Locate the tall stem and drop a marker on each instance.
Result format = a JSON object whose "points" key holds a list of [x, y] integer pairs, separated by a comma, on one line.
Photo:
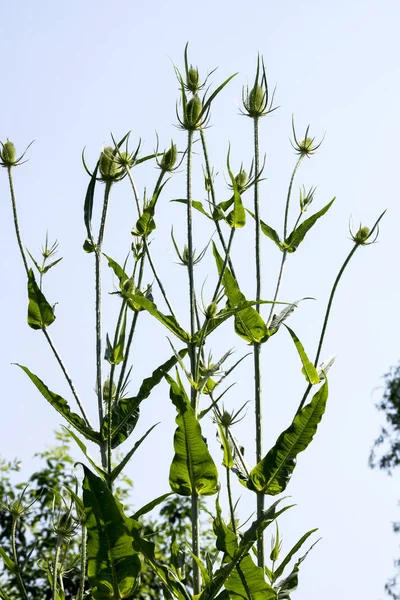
{"points": [[15, 557], [83, 564], [44, 330], [285, 229], [99, 384], [213, 197], [326, 319], [55, 569], [257, 347], [192, 353]]}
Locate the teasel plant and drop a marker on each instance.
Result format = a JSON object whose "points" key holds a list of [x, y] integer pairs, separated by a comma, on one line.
{"points": [[113, 543]]}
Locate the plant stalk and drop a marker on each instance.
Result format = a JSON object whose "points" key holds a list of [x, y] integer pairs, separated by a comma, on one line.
{"points": [[99, 383], [83, 565], [15, 556], [55, 569]]}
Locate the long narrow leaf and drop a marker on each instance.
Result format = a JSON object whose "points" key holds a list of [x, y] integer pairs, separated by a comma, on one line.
{"points": [[298, 234], [150, 505], [125, 412], [271, 475], [279, 570], [117, 470], [88, 205], [269, 232], [308, 368], [40, 313], [62, 407], [82, 446], [167, 320], [192, 467]]}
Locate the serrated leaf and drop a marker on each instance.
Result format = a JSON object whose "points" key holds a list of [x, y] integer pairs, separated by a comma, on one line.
{"points": [[113, 565], [40, 313], [62, 407], [125, 412], [272, 474], [298, 234], [309, 370], [192, 467]]}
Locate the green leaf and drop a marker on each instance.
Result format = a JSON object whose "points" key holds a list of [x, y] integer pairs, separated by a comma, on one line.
{"points": [[249, 325], [167, 320], [89, 246], [113, 565], [226, 541], [82, 446], [298, 234], [226, 448], [309, 370], [207, 104], [40, 313], [115, 355], [62, 407], [279, 571], [269, 232], [150, 505], [237, 217], [39, 268], [88, 207], [3, 595], [9, 563], [125, 412], [119, 271], [290, 583], [271, 475], [192, 467], [247, 581], [197, 205], [118, 469], [145, 224]]}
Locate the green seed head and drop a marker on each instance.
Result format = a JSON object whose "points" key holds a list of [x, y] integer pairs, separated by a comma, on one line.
{"points": [[192, 114], [362, 235], [17, 509], [128, 287], [257, 101], [241, 180], [108, 166], [169, 159], [193, 80], [9, 154], [185, 255], [106, 390], [211, 310]]}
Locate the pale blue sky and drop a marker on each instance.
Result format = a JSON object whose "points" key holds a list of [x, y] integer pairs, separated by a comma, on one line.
{"points": [[74, 71]]}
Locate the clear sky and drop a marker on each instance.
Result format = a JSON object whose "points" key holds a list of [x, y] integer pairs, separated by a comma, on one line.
{"points": [[74, 71]]}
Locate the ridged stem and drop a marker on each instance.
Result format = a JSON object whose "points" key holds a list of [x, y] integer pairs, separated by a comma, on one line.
{"points": [[15, 557]]}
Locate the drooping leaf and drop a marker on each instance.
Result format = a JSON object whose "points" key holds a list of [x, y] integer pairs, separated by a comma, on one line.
{"points": [[248, 323], [271, 475], [269, 232], [196, 205], [125, 412], [118, 469], [309, 370], [113, 565], [150, 505], [278, 572], [226, 541], [62, 407], [118, 270], [82, 446], [192, 467], [40, 313], [88, 207], [298, 234], [167, 320]]}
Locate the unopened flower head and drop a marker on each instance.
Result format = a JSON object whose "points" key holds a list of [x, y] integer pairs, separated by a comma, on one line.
{"points": [[256, 101], [8, 155], [241, 180], [168, 160], [307, 145], [365, 236], [192, 114], [109, 167]]}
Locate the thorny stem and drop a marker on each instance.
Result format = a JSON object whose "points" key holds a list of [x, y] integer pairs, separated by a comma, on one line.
{"points": [[47, 336], [55, 569], [326, 319], [66, 375], [192, 354], [99, 384], [110, 399], [257, 346], [83, 564], [285, 227], [16, 225], [213, 197], [145, 243], [15, 556]]}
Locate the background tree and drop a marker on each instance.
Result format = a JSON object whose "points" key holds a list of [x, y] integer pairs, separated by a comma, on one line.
{"points": [[385, 452]]}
